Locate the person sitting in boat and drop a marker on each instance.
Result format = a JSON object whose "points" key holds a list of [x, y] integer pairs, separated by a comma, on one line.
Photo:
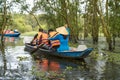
{"points": [[44, 42], [37, 37], [6, 31], [63, 38], [40, 38], [54, 43], [11, 32], [44, 39]]}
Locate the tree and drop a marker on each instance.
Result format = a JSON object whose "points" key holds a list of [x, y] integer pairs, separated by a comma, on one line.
{"points": [[25, 8], [62, 12], [105, 26], [114, 19], [92, 19], [3, 16]]}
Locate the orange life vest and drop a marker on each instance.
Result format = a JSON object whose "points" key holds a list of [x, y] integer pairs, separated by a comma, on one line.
{"points": [[52, 34], [37, 39], [45, 38], [11, 32], [6, 31], [54, 42], [39, 35]]}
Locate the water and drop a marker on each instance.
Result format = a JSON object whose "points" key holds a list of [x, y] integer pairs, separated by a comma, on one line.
{"points": [[17, 64]]}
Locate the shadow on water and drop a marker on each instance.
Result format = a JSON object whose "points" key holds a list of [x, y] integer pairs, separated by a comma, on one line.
{"points": [[17, 64]]}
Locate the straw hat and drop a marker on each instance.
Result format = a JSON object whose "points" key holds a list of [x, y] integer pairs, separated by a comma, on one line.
{"points": [[62, 30]]}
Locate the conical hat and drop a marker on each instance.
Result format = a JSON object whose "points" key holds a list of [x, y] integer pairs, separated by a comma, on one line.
{"points": [[62, 30]]}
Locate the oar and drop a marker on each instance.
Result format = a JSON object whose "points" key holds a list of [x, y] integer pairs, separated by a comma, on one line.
{"points": [[37, 48]]}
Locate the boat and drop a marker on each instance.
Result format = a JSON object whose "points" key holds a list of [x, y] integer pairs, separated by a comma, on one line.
{"points": [[12, 35], [65, 54]]}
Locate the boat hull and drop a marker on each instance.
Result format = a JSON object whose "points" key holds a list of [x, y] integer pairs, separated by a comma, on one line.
{"points": [[12, 35], [65, 54]]}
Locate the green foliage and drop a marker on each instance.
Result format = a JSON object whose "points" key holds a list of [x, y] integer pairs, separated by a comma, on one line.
{"points": [[44, 75], [114, 17], [114, 57], [94, 54], [69, 68], [31, 33], [19, 22]]}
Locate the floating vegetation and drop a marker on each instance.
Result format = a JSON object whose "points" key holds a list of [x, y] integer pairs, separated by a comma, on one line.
{"points": [[114, 57]]}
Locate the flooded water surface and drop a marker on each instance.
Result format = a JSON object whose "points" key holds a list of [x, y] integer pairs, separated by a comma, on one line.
{"points": [[17, 64]]}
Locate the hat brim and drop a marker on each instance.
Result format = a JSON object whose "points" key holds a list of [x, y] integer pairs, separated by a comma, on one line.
{"points": [[62, 30]]}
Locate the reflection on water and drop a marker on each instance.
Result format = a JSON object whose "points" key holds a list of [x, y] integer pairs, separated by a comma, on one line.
{"points": [[9, 39], [50, 64], [17, 64], [46, 65]]}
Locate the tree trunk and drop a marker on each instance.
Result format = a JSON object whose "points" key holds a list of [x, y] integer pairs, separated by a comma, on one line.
{"points": [[4, 21], [2, 46], [95, 27], [105, 29], [36, 20]]}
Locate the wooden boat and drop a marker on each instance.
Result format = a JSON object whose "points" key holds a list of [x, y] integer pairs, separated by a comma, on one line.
{"points": [[12, 35], [65, 54]]}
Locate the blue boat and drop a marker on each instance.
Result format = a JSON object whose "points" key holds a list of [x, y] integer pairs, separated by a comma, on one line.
{"points": [[65, 54], [12, 35]]}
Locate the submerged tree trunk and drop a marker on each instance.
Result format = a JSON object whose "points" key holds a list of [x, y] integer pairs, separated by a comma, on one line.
{"points": [[114, 41], [3, 24], [2, 46], [95, 27], [105, 29], [4, 20]]}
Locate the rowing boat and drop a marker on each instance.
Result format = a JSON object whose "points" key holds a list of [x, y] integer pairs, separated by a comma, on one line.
{"points": [[12, 35], [64, 54]]}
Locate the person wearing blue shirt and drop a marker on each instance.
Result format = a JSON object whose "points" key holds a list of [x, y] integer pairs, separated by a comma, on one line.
{"points": [[63, 38]]}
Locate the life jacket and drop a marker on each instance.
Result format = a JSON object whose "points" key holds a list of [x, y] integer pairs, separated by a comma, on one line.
{"points": [[11, 32], [39, 35], [44, 38], [54, 42], [7, 31], [52, 34], [38, 39]]}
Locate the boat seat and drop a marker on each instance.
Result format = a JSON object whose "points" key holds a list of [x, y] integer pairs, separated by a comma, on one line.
{"points": [[81, 48]]}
